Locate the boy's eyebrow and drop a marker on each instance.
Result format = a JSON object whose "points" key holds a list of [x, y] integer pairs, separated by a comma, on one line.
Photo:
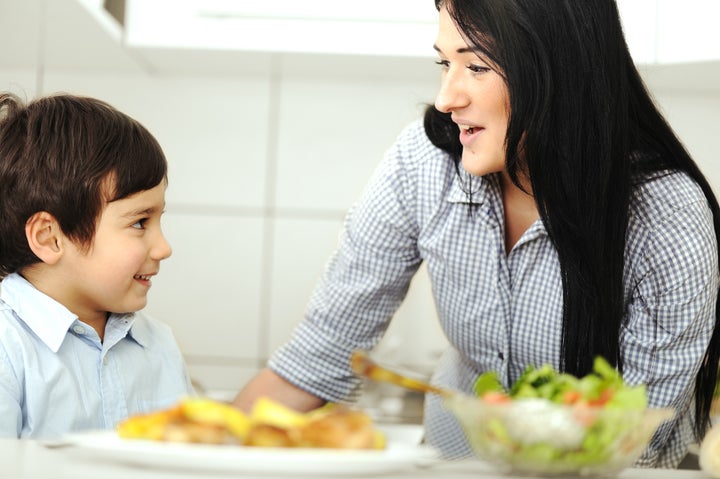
{"points": [[142, 211]]}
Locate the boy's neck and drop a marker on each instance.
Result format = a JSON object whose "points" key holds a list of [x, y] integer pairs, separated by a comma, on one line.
{"points": [[98, 325], [96, 319]]}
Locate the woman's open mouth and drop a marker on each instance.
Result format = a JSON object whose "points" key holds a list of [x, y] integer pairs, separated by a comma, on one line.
{"points": [[468, 133]]}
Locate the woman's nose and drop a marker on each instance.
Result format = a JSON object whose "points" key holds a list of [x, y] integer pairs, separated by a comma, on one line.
{"points": [[451, 94]]}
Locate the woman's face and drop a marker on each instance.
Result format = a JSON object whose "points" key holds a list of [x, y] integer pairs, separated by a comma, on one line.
{"points": [[477, 98]]}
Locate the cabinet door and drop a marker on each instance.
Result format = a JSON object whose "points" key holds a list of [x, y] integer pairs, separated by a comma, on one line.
{"points": [[371, 27], [688, 31], [639, 19]]}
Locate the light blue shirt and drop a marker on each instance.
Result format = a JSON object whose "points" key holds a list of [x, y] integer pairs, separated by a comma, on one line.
{"points": [[503, 312], [56, 376]]}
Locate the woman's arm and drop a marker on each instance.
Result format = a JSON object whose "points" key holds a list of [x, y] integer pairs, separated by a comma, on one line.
{"points": [[269, 384], [671, 313]]}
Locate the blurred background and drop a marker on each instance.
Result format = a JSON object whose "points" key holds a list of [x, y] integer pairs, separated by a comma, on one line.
{"points": [[273, 115]]}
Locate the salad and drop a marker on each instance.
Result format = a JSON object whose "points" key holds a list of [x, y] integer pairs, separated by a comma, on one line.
{"points": [[551, 422]]}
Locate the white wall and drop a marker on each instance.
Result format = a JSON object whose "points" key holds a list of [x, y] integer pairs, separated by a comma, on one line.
{"points": [[263, 165]]}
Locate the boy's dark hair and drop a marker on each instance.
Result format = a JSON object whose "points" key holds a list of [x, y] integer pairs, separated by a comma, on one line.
{"points": [[69, 156]]}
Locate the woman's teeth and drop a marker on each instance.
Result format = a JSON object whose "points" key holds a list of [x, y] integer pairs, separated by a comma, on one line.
{"points": [[467, 129], [142, 276]]}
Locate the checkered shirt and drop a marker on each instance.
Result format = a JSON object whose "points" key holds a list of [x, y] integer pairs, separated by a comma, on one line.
{"points": [[503, 312]]}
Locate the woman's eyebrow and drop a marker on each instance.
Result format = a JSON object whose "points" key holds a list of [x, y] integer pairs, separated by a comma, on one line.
{"points": [[459, 50]]}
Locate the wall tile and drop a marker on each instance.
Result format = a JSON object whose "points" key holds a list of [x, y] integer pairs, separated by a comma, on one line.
{"points": [[21, 27], [332, 134], [302, 248], [214, 132], [694, 117], [21, 82], [219, 381], [209, 290]]}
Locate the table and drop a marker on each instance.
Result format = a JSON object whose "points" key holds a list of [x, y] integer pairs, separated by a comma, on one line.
{"points": [[22, 459]]}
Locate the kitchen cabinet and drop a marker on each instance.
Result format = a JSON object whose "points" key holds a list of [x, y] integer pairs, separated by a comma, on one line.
{"points": [[638, 18], [688, 31], [657, 31], [661, 32], [371, 27]]}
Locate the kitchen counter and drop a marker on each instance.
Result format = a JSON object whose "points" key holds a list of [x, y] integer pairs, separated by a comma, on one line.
{"points": [[30, 459]]}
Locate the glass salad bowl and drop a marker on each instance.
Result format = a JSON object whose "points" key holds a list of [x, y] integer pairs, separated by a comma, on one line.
{"points": [[535, 436], [547, 423]]}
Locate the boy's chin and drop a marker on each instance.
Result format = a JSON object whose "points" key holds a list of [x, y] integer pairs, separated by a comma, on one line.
{"points": [[130, 308]]}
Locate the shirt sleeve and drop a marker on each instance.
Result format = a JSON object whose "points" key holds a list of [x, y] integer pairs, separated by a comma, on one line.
{"points": [[670, 320], [362, 287], [10, 398]]}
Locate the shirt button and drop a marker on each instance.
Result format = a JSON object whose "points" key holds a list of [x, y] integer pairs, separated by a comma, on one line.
{"points": [[78, 329]]}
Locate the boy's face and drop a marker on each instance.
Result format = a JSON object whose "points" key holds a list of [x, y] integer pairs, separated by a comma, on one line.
{"points": [[113, 275]]}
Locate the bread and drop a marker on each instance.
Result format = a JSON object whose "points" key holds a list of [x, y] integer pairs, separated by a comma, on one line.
{"points": [[270, 424]]}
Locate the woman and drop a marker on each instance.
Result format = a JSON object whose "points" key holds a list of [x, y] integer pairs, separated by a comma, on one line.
{"points": [[559, 216]]}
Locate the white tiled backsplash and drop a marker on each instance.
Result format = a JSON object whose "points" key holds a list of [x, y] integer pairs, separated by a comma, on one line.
{"points": [[262, 170]]}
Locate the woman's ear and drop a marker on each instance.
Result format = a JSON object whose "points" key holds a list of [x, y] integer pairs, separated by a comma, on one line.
{"points": [[44, 237]]}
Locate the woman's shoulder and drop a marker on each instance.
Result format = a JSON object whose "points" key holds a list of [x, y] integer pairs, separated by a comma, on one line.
{"points": [[414, 164], [413, 148], [671, 221], [671, 236], [665, 194]]}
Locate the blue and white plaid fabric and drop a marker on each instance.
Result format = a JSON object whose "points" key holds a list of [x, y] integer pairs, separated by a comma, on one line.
{"points": [[503, 312]]}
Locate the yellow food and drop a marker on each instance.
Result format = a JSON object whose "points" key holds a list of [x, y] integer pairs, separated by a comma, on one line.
{"points": [[269, 424], [269, 412]]}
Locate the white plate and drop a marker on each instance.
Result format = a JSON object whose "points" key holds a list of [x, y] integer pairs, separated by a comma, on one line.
{"points": [[106, 445]]}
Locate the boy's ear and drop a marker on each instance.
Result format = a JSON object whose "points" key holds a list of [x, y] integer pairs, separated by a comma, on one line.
{"points": [[44, 237]]}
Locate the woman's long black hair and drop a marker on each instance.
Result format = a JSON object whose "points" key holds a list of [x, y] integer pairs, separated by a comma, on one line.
{"points": [[590, 128]]}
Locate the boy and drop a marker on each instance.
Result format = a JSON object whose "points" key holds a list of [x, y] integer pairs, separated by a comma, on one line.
{"points": [[82, 190]]}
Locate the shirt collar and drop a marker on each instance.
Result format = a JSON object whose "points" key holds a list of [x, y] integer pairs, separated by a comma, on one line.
{"points": [[34, 308], [484, 189], [51, 321], [467, 188], [139, 330]]}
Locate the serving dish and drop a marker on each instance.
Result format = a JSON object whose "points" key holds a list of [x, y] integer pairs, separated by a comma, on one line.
{"points": [[399, 455], [541, 438]]}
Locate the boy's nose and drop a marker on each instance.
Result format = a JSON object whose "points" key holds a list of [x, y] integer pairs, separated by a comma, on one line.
{"points": [[161, 249]]}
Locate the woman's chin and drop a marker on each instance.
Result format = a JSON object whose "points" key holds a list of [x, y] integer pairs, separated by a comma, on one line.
{"points": [[480, 166]]}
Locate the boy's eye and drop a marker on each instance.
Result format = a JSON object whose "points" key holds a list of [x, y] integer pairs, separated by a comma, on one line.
{"points": [[140, 224]]}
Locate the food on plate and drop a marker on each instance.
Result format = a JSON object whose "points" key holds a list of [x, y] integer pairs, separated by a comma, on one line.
{"points": [[269, 424], [551, 422]]}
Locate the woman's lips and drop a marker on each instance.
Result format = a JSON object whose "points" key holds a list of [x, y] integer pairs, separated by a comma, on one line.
{"points": [[468, 135]]}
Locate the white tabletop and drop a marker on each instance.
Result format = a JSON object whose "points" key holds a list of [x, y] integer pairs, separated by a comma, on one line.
{"points": [[21, 459]]}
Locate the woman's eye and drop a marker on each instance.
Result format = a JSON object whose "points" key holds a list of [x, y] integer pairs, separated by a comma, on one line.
{"points": [[443, 63], [478, 68]]}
